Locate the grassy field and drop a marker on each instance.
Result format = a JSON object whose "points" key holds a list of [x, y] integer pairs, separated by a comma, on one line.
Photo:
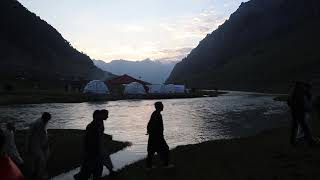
{"points": [[37, 97], [66, 148], [47, 97], [266, 156]]}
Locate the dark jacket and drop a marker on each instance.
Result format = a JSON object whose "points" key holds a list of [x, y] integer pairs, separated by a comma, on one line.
{"points": [[155, 125], [93, 139]]}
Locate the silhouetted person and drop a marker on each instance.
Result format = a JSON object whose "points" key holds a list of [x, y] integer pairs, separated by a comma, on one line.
{"points": [[38, 148], [106, 161], [10, 147], [92, 161], [8, 169], [300, 104], [156, 141]]}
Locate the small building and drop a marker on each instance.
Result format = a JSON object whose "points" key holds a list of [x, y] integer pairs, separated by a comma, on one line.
{"points": [[96, 87], [117, 84]]}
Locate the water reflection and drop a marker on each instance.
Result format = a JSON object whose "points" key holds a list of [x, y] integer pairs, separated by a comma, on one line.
{"points": [[186, 121]]}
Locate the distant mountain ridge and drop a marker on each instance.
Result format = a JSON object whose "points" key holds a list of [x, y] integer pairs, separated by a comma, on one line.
{"points": [[263, 46], [147, 70], [33, 49]]}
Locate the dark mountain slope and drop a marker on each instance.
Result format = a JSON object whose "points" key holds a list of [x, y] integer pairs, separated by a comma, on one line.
{"points": [[264, 45], [32, 49]]}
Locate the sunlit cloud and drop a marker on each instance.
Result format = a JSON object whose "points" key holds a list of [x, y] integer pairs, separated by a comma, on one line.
{"points": [[182, 34]]}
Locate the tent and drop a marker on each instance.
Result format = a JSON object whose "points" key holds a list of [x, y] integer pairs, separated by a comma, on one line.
{"points": [[96, 87], [156, 88], [169, 89], [180, 89], [134, 88]]}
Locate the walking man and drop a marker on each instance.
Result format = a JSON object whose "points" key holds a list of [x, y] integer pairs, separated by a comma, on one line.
{"points": [[92, 164], [156, 142]]}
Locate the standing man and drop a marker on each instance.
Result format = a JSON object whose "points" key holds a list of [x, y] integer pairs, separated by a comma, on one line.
{"points": [[156, 141], [106, 160], [38, 148], [299, 104]]}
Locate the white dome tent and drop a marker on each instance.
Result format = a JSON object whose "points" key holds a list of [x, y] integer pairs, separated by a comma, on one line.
{"points": [[179, 89], [169, 89], [134, 88], [96, 87], [156, 88]]}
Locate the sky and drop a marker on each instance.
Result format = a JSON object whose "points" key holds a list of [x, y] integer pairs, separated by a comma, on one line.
{"points": [[134, 29]]}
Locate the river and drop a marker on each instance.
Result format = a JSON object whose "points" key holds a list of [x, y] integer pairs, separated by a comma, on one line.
{"points": [[186, 121]]}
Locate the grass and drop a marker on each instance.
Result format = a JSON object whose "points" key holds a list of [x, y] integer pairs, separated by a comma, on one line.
{"points": [[282, 98], [37, 97]]}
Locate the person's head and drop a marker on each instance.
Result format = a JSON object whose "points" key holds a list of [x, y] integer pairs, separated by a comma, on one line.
{"points": [[159, 106], [2, 142], [104, 114], [96, 114], [11, 126], [46, 117]]}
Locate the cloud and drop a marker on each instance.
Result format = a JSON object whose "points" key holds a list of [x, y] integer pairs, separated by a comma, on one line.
{"points": [[174, 54], [132, 28], [166, 39], [195, 26]]}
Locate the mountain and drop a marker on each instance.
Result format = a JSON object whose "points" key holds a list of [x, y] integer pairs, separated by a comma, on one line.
{"points": [[151, 71], [33, 49], [263, 46]]}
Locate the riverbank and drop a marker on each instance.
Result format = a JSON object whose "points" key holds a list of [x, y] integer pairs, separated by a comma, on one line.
{"points": [[66, 148], [64, 97], [266, 156]]}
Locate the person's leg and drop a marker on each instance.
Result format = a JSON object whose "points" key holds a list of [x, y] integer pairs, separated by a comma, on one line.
{"points": [[97, 170], [294, 128], [108, 163], [85, 171], [36, 171], [164, 153], [29, 166], [43, 168], [305, 128], [149, 158]]}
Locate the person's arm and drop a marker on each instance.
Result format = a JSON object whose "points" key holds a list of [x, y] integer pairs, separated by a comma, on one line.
{"points": [[13, 149]]}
